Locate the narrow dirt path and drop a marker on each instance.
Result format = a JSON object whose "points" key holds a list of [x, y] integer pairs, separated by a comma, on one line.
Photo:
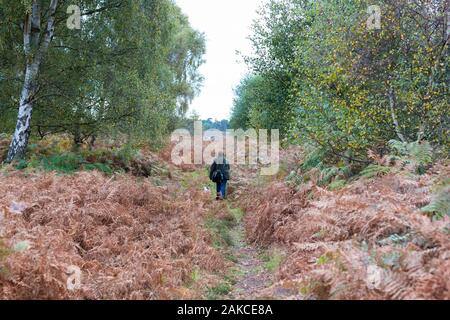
{"points": [[248, 278], [254, 271], [251, 274]]}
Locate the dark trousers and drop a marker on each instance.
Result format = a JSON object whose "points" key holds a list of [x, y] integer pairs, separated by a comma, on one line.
{"points": [[221, 188]]}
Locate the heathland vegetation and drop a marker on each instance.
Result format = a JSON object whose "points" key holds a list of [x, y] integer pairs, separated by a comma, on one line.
{"points": [[92, 207]]}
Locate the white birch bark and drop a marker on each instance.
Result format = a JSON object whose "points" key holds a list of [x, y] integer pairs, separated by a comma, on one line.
{"points": [[398, 131], [35, 48]]}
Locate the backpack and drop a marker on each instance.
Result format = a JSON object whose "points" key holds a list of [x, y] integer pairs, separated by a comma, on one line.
{"points": [[217, 176]]}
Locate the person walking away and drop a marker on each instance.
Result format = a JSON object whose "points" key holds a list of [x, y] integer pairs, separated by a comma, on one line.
{"points": [[219, 173]]}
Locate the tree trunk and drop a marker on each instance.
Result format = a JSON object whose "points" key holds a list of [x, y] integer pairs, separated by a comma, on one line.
{"points": [[398, 131], [92, 142], [77, 140], [23, 128], [35, 48]]}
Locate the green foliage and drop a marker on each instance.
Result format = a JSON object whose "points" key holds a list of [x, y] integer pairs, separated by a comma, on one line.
{"points": [[314, 159], [221, 230], [195, 276], [396, 239], [337, 184], [237, 213], [260, 103], [22, 164], [101, 167], [245, 97], [345, 87], [414, 155], [417, 154], [272, 260], [125, 154], [374, 170], [102, 160], [131, 70], [328, 174], [440, 204], [315, 166], [325, 259], [21, 246], [221, 125], [64, 163], [294, 179], [4, 251], [219, 291]]}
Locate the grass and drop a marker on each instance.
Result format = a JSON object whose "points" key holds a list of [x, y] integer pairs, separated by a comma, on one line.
{"points": [[220, 229], [272, 260], [65, 163], [225, 235], [237, 213], [195, 276], [200, 179], [223, 229], [231, 257], [217, 292]]}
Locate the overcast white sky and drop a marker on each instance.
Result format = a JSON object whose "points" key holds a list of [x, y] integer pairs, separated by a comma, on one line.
{"points": [[226, 24]]}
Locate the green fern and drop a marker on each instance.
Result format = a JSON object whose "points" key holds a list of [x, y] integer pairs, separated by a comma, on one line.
{"points": [[328, 174], [313, 160], [375, 170], [440, 205], [417, 154], [294, 179], [314, 167], [337, 184], [422, 153], [399, 147], [345, 171]]}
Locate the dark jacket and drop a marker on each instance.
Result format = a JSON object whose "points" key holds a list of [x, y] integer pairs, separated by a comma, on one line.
{"points": [[222, 167]]}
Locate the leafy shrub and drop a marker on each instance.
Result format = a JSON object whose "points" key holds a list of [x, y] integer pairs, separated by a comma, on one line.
{"points": [[125, 159], [52, 154], [55, 144], [126, 153], [65, 163]]}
